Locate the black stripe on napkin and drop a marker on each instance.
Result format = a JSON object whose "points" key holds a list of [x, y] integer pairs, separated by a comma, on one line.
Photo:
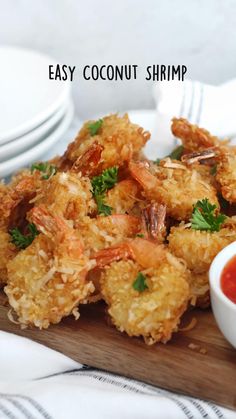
{"points": [[32, 402], [19, 407], [7, 412]]}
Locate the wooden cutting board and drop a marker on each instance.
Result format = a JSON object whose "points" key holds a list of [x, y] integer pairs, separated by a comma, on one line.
{"points": [[174, 366]]}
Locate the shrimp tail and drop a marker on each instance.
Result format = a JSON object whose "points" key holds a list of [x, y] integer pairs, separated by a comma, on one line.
{"points": [[153, 219], [113, 254], [88, 162], [45, 222]]}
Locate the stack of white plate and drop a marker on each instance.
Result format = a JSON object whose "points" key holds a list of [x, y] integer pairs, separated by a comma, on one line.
{"points": [[35, 112]]}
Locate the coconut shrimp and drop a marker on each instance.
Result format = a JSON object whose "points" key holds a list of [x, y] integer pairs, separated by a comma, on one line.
{"points": [[155, 312], [115, 141], [192, 137], [47, 280], [198, 249], [123, 196], [15, 198], [174, 185], [67, 195], [226, 175], [220, 153], [7, 252], [102, 232]]}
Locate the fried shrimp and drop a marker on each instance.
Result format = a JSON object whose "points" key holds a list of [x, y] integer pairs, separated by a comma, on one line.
{"points": [[200, 290], [15, 198], [193, 138], [67, 195], [198, 249], [47, 280], [154, 310], [123, 196], [205, 146], [226, 174], [112, 142], [101, 232], [104, 222], [174, 185], [7, 252]]}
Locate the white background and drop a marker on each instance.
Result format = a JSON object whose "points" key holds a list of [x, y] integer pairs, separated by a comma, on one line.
{"points": [[198, 33]]}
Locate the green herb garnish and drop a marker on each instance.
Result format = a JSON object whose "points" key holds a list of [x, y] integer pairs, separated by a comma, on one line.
{"points": [[213, 170], [22, 241], [101, 184], [94, 127], [157, 162], [140, 235], [204, 218], [176, 153], [140, 283], [102, 207], [48, 170]]}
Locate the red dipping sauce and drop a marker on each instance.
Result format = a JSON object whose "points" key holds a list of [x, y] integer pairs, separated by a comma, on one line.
{"points": [[228, 279]]}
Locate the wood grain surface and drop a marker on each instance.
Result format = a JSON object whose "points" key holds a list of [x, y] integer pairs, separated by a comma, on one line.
{"points": [[174, 366]]}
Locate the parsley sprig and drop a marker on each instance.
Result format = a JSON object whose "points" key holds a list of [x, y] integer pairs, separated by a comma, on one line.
{"points": [[176, 154], [101, 184], [204, 217], [140, 283], [22, 241], [94, 127], [48, 170]]}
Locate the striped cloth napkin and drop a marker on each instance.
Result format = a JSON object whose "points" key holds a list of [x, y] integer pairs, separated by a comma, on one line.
{"points": [[37, 382]]}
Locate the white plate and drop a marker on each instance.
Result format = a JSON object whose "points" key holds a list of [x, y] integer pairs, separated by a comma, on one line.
{"points": [[33, 154], [14, 147], [27, 96]]}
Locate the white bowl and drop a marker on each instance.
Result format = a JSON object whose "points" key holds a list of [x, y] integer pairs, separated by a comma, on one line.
{"points": [[17, 146], [223, 308], [28, 97], [34, 153]]}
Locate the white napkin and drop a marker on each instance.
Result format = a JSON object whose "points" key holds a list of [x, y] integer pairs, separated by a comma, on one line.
{"points": [[210, 107], [36, 382]]}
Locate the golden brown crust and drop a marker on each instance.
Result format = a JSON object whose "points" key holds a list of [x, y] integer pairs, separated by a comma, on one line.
{"points": [[174, 185], [7, 252], [154, 313], [116, 143], [193, 138]]}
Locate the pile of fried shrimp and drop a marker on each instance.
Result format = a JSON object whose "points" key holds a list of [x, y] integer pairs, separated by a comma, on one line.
{"points": [[130, 243]]}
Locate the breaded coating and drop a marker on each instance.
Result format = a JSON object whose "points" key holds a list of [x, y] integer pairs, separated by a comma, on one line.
{"points": [[154, 313], [174, 185], [200, 290], [123, 196], [47, 280], [198, 139], [66, 194], [15, 198], [226, 174], [116, 142], [198, 248], [127, 236], [102, 232], [193, 138], [7, 252]]}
